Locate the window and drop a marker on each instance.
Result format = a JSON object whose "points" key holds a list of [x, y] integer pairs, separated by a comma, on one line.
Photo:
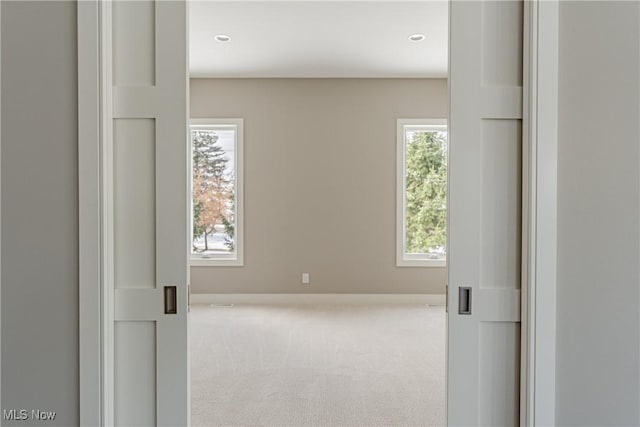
{"points": [[216, 192], [421, 193]]}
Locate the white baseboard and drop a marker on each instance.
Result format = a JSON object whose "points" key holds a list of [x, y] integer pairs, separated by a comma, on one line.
{"points": [[349, 299]]}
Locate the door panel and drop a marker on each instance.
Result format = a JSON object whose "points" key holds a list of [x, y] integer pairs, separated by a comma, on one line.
{"points": [[134, 43], [501, 38], [150, 212], [501, 172], [134, 203], [499, 360], [135, 380], [485, 152]]}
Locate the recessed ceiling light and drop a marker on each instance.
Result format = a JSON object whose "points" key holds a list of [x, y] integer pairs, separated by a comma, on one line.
{"points": [[222, 38], [417, 37]]}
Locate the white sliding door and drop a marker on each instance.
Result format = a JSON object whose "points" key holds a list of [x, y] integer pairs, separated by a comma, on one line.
{"points": [[147, 217], [485, 149]]}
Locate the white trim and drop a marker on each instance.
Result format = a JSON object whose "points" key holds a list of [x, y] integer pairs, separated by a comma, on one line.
{"points": [[337, 299], [0, 215], [540, 177], [218, 261], [105, 27], [95, 302], [436, 123], [402, 258], [420, 262], [216, 121], [224, 260]]}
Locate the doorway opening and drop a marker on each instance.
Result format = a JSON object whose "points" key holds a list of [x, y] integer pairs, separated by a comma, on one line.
{"points": [[319, 194], [133, 55]]}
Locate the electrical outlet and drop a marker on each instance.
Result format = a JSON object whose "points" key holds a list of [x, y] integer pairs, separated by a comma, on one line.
{"points": [[305, 278]]}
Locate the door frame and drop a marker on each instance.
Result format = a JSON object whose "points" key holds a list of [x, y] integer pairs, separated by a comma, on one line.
{"points": [[1, 215], [539, 213]]}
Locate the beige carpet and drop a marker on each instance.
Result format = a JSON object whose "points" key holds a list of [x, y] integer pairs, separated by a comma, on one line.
{"points": [[312, 365]]}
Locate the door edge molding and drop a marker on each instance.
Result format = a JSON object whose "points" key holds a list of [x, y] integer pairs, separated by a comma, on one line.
{"points": [[95, 302], [539, 213]]}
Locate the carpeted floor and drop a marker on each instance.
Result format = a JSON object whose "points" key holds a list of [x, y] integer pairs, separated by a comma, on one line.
{"points": [[312, 365]]}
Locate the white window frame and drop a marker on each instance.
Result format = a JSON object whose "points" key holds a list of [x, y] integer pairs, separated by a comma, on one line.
{"points": [[402, 258], [223, 260]]}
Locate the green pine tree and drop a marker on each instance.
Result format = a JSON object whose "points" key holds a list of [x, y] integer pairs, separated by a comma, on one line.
{"points": [[426, 192]]}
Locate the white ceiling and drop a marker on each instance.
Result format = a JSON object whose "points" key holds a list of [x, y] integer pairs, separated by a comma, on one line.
{"points": [[318, 38]]}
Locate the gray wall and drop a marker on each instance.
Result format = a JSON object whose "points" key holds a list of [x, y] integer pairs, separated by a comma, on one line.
{"points": [[598, 355], [319, 182], [39, 210]]}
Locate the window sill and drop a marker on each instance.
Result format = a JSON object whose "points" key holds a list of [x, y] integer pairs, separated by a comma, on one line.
{"points": [[216, 262], [421, 263]]}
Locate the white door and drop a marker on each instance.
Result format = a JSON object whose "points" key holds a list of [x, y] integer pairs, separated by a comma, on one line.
{"points": [[149, 221], [485, 136]]}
